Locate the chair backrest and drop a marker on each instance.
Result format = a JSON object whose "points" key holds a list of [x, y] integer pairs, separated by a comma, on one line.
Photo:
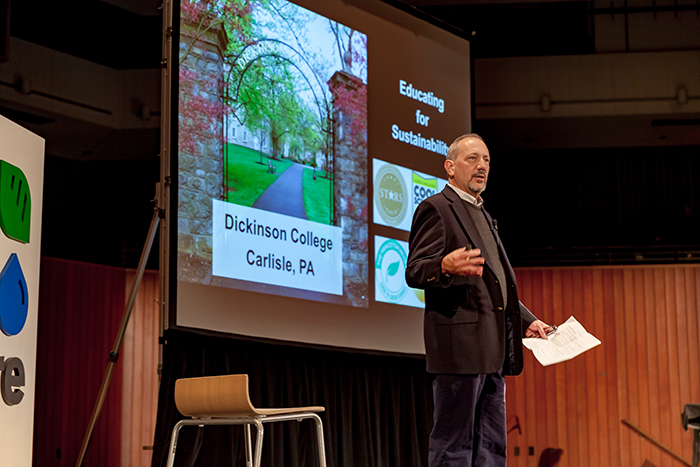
{"points": [[214, 396]]}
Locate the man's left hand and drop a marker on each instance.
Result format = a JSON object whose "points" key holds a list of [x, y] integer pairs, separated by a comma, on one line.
{"points": [[538, 329]]}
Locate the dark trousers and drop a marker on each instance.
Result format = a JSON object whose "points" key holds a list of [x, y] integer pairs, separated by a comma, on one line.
{"points": [[469, 421]]}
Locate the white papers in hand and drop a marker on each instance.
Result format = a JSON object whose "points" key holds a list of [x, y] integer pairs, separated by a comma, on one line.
{"points": [[569, 340]]}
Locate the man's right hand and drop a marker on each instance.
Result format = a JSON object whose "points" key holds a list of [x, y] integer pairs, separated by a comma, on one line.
{"points": [[463, 262]]}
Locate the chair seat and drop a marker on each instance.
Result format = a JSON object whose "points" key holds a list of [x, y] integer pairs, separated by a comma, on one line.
{"points": [[223, 396], [262, 412]]}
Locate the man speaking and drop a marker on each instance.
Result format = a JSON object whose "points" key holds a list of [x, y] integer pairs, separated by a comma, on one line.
{"points": [[473, 322]]}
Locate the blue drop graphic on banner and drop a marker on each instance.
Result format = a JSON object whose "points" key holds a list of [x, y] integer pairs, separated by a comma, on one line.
{"points": [[14, 297]]}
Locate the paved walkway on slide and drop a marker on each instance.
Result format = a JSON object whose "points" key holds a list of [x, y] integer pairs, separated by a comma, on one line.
{"points": [[285, 195]]}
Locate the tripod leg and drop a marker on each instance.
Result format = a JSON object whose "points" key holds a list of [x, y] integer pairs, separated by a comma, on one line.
{"points": [[114, 354]]}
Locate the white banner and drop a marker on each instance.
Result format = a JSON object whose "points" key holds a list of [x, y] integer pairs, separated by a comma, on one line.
{"points": [[21, 195], [260, 246]]}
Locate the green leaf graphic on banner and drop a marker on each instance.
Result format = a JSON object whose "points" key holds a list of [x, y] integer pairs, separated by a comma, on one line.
{"points": [[15, 203], [393, 268]]}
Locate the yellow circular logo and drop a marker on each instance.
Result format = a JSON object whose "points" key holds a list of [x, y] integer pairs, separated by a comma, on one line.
{"points": [[420, 293], [390, 195]]}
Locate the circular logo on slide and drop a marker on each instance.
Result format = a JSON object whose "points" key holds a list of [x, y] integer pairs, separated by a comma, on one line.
{"points": [[420, 294], [391, 266], [14, 297], [390, 195]]}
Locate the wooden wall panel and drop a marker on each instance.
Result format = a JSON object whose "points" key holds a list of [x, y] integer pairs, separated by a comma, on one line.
{"points": [[646, 369], [674, 377], [80, 307], [140, 378]]}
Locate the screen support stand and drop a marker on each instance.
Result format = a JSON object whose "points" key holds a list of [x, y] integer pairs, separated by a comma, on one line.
{"points": [[114, 354]]}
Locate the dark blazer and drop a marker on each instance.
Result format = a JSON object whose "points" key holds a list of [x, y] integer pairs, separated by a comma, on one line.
{"points": [[466, 329]]}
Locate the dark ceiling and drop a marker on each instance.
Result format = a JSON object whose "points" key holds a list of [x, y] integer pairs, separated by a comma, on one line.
{"points": [[516, 29], [124, 39], [91, 29]]}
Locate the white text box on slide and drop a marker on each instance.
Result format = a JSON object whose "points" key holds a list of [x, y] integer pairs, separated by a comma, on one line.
{"points": [[261, 246]]}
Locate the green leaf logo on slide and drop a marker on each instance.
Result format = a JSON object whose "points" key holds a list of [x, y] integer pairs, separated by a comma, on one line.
{"points": [[393, 268], [391, 259], [15, 203]]}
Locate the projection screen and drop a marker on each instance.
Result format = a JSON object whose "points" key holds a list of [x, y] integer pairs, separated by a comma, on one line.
{"points": [[299, 137]]}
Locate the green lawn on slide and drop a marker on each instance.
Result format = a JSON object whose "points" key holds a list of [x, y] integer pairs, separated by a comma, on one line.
{"points": [[247, 178], [317, 196]]}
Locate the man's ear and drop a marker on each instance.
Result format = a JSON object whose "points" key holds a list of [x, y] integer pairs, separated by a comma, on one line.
{"points": [[449, 167]]}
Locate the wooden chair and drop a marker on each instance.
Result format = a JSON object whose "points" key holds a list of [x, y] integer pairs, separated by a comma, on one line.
{"points": [[224, 400]]}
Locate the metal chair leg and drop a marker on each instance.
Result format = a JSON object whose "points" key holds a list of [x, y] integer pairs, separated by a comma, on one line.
{"points": [[248, 446], [258, 442], [321, 444], [173, 444], [253, 456]]}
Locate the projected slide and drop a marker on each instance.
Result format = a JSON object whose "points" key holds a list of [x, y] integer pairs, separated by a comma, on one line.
{"points": [[284, 99], [308, 132]]}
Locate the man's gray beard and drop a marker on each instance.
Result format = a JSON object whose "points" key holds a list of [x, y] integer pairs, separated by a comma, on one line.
{"points": [[475, 189]]}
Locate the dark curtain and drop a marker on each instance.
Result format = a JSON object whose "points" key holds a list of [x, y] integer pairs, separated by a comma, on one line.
{"points": [[378, 407], [80, 309]]}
